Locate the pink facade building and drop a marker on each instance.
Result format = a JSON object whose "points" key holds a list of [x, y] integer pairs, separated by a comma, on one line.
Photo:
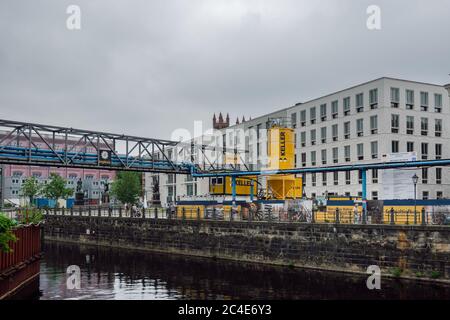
{"points": [[12, 176]]}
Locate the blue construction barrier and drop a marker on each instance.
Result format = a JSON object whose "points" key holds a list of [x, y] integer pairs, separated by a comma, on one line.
{"points": [[69, 203], [50, 203]]}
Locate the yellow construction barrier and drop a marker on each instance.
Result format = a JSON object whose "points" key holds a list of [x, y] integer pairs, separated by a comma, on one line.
{"points": [[402, 214], [346, 215], [190, 211], [193, 212]]}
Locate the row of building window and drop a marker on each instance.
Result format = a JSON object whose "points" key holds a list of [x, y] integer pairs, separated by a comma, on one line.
{"points": [[360, 155], [410, 100], [69, 182], [374, 177], [424, 149], [38, 175], [348, 177], [191, 190], [425, 195], [395, 128], [72, 148], [359, 105]]}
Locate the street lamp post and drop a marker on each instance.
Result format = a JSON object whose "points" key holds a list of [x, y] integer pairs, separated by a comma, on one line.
{"points": [[415, 178]]}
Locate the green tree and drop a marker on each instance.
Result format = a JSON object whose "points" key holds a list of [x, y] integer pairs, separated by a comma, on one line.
{"points": [[6, 235], [127, 187], [56, 188], [31, 188]]}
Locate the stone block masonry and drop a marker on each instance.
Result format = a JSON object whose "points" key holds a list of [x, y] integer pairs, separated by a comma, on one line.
{"points": [[415, 250]]}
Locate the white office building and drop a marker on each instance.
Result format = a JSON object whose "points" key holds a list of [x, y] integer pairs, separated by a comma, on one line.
{"points": [[366, 123]]}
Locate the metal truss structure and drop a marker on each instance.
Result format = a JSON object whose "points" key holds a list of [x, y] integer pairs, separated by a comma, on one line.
{"points": [[46, 145]]}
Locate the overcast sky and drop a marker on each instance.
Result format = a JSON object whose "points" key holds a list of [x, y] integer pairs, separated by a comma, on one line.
{"points": [[148, 67]]}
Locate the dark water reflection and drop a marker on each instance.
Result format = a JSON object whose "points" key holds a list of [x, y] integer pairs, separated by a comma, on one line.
{"points": [[108, 273]]}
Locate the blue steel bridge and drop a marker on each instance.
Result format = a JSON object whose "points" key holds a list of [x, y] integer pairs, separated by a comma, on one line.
{"points": [[46, 145]]}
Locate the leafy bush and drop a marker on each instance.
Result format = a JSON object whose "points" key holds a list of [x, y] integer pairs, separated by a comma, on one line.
{"points": [[127, 187], [31, 215], [435, 274], [396, 272], [6, 234], [56, 188], [31, 188], [420, 274]]}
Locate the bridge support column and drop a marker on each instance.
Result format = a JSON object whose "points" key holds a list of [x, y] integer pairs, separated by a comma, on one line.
{"points": [[233, 188], [364, 195]]}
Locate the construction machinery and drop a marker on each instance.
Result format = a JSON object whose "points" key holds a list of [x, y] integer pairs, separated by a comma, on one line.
{"points": [[281, 156], [244, 193]]}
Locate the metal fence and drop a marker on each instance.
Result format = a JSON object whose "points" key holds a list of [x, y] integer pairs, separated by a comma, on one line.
{"points": [[115, 212], [28, 245], [337, 216]]}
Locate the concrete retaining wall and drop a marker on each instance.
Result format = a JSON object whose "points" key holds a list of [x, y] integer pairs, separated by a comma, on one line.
{"points": [[418, 251]]}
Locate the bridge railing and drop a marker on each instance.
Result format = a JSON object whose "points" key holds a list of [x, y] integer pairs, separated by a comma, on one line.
{"points": [[279, 216]]}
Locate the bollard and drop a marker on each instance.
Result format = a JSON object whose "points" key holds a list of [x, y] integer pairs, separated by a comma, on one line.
{"points": [[407, 217], [423, 216], [198, 213], [143, 213], [214, 214], [156, 213], [90, 211], [313, 217], [337, 217], [392, 216], [71, 211], [184, 213]]}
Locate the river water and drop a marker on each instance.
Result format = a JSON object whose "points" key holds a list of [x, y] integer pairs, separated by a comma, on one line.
{"points": [[108, 273]]}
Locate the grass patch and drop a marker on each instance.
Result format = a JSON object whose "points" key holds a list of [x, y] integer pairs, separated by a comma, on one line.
{"points": [[435, 274], [420, 274], [396, 272]]}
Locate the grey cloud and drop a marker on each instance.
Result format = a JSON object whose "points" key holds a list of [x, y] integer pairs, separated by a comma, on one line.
{"points": [[148, 67]]}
